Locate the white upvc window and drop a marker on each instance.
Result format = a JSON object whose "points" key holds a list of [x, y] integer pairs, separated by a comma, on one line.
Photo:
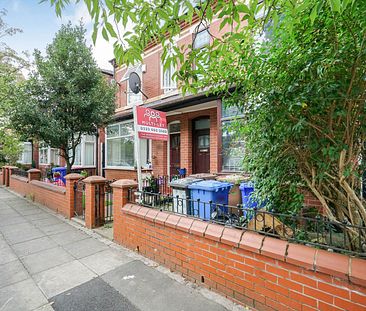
{"points": [[26, 155], [85, 152], [201, 39], [120, 147], [168, 84], [48, 155]]}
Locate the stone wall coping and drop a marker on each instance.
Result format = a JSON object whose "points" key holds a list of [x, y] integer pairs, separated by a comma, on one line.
{"points": [[309, 258], [12, 167], [34, 170], [73, 176], [124, 183], [48, 186], [95, 180]]}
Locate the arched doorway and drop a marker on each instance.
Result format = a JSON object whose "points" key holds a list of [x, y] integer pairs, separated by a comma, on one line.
{"points": [[201, 145]]}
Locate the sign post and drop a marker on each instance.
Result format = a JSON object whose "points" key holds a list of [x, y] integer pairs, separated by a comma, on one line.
{"points": [[148, 124]]}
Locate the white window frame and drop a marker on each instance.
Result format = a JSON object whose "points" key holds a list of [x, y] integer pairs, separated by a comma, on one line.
{"points": [[139, 70], [82, 152], [132, 168], [22, 156], [171, 85], [48, 151]]}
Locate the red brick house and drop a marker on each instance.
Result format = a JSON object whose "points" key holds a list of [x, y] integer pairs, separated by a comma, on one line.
{"points": [[197, 141]]}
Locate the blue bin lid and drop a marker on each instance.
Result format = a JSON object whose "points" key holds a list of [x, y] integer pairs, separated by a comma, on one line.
{"points": [[246, 185], [58, 169], [210, 185]]}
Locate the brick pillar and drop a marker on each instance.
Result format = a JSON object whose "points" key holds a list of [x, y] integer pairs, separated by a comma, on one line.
{"points": [[3, 169], [70, 194], [120, 198], [9, 172], [91, 183], [34, 174]]}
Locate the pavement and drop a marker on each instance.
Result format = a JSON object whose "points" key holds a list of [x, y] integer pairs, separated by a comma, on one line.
{"points": [[51, 263]]}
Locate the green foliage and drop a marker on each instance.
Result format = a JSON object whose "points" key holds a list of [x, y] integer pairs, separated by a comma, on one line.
{"points": [[302, 88], [66, 96], [10, 65]]}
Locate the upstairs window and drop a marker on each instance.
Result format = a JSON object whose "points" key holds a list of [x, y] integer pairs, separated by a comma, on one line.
{"points": [[133, 98], [201, 39], [168, 84]]}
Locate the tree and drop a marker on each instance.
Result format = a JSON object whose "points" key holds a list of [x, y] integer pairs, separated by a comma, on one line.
{"points": [[66, 96], [302, 87], [10, 75]]}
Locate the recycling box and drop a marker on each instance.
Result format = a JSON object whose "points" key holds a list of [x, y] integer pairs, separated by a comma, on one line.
{"points": [[181, 193], [209, 190]]}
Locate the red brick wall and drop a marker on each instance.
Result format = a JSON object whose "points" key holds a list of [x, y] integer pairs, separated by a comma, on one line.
{"points": [[120, 174], [46, 194], [264, 273]]}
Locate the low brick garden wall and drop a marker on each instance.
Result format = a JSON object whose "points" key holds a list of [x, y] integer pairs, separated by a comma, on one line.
{"points": [[261, 272]]}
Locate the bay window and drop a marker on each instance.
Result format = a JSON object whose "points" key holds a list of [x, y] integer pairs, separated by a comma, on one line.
{"points": [[26, 155], [85, 151], [120, 147], [48, 155]]}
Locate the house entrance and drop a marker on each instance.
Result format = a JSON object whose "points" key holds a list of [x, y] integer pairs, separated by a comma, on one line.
{"points": [[174, 148], [201, 145]]}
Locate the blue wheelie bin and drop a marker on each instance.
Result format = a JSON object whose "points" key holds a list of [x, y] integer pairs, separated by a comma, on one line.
{"points": [[209, 190], [247, 188]]}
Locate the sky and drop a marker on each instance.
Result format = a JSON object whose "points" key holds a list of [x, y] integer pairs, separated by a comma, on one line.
{"points": [[40, 24]]}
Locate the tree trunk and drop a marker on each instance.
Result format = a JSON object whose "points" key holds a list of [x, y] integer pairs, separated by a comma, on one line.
{"points": [[68, 166]]}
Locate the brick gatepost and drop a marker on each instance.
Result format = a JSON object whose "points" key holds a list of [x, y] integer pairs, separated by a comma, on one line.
{"points": [[34, 174], [9, 171], [121, 190]]}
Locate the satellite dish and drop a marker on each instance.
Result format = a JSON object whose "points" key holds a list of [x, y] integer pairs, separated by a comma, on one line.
{"points": [[134, 82]]}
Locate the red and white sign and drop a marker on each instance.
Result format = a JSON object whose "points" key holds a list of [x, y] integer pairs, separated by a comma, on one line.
{"points": [[151, 124]]}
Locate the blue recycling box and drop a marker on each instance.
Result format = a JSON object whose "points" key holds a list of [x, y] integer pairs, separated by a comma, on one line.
{"points": [[62, 171], [206, 191]]}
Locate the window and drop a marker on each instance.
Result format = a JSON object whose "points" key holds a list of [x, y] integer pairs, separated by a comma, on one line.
{"points": [[201, 39], [85, 151], [48, 155], [133, 98], [120, 146], [168, 84], [26, 156], [233, 146]]}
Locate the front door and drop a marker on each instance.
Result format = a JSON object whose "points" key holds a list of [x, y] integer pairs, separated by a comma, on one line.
{"points": [[174, 154], [201, 146]]}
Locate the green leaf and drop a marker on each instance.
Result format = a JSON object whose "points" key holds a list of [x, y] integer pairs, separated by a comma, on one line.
{"points": [[110, 30], [105, 35]]}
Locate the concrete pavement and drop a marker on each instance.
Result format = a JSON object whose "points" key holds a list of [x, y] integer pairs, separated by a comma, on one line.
{"points": [[49, 263]]}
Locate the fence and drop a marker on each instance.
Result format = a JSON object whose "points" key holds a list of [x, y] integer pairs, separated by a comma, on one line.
{"points": [[159, 184], [317, 231], [20, 172]]}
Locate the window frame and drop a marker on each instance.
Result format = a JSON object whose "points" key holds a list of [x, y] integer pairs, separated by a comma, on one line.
{"points": [[171, 88], [48, 152], [129, 93], [22, 157], [82, 152], [115, 167]]}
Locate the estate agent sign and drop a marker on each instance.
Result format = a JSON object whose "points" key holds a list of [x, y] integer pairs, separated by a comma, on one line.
{"points": [[151, 124]]}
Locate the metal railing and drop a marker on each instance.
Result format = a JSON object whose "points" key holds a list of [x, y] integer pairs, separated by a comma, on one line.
{"points": [[103, 203], [20, 172], [159, 184], [317, 231]]}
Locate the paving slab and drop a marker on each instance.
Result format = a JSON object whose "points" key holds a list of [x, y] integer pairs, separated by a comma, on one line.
{"points": [[14, 237], [12, 272], [57, 228], [68, 237], [12, 220], [85, 247], [105, 261], [46, 259], [22, 296], [33, 246], [25, 226], [47, 221], [62, 278], [39, 216], [151, 290], [94, 295], [30, 211], [7, 255]]}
